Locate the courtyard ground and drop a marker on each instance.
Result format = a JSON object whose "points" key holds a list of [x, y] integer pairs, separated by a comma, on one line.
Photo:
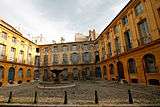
{"points": [[83, 93]]}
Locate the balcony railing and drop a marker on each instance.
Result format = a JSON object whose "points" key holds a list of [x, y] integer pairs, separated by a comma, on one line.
{"points": [[144, 40]]}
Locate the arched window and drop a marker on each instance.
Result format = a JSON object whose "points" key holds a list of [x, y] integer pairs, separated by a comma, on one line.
{"points": [[28, 74], [75, 73], [20, 73], [1, 72], [149, 63], [131, 66]]}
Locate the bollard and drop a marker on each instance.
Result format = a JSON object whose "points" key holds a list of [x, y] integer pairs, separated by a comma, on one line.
{"points": [[10, 97], [130, 97], [65, 97], [96, 97], [35, 98]]}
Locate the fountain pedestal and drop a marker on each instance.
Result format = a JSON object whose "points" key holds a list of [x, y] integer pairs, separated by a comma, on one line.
{"points": [[57, 72]]}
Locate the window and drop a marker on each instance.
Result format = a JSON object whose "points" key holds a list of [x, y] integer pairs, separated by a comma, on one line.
{"points": [[22, 43], [117, 45], [65, 59], [37, 60], [103, 53], [45, 60], [150, 63], [37, 50], [46, 50], [4, 35], [86, 57], [127, 35], [14, 40], [110, 49], [20, 58], [29, 58], [55, 49], [139, 9], [132, 66], [65, 48], [85, 47], [2, 51], [55, 59], [28, 74], [125, 20], [12, 54], [74, 48], [116, 29], [75, 58], [20, 73], [144, 32]]}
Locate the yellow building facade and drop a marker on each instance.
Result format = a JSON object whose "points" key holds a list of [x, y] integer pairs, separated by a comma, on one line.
{"points": [[127, 50], [16, 56]]}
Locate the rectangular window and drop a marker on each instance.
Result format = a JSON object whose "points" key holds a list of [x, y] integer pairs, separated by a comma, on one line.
{"points": [[117, 45], [12, 54], [74, 48], [2, 51], [37, 60], [65, 48], [20, 58], [127, 35], [4, 35], [55, 49], [116, 29], [144, 32], [138, 9], [37, 50], [14, 40], [55, 59], [125, 20], [110, 49], [65, 59], [29, 59], [45, 60], [46, 50]]}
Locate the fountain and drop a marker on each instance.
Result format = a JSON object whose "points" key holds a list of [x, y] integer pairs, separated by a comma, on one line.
{"points": [[57, 72], [57, 83]]}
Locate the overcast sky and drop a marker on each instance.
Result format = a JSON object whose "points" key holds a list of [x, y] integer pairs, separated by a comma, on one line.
{"points": [[57, 18]]}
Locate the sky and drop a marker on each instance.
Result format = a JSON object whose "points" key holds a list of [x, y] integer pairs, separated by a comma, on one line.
{"points": [[59, 18]]}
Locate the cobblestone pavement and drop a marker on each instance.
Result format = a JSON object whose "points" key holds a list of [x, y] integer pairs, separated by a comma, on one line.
{"points": [[109, 92]]}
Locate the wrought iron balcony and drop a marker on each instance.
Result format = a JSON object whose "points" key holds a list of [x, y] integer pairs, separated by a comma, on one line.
{"points": [[144, 40]]}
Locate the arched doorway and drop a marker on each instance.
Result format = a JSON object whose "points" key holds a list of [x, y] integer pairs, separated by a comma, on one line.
{"points": [[98, 72], [11, 75], [104, 72], [149, 63], [111, 71], [120, 71], [75, 74], [1, 74], [65, 74], [28, 75], [20, 75], [86, 73], [132, 71]]}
